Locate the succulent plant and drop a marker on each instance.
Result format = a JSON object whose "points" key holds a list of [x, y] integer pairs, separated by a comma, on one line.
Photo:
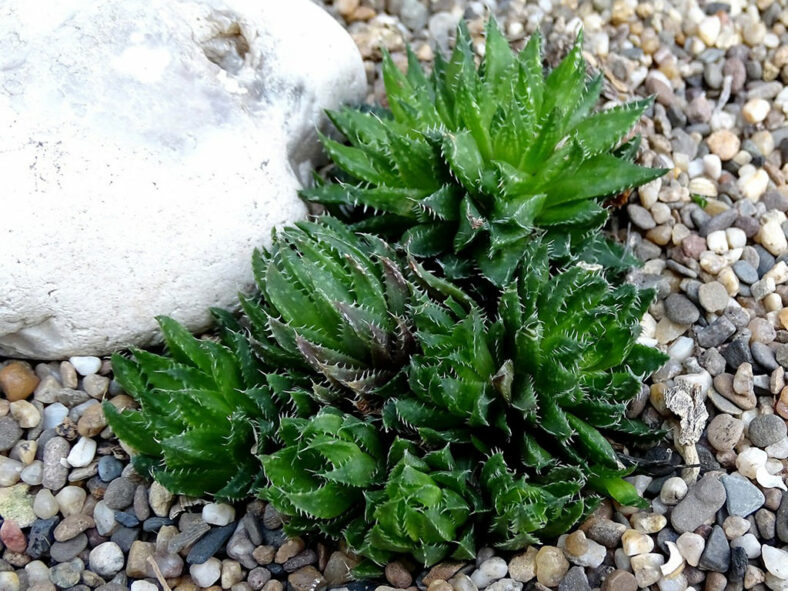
{"points": [[426, 509], [544, 378], [319, 476], [469, 160], [205, 412], [332, 305]]}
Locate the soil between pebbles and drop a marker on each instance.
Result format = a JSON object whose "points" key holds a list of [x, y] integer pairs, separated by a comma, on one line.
{"points": [[713, 238]]}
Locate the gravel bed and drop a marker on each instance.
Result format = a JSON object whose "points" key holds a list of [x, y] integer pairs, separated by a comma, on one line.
{"points": [[713, 236]]}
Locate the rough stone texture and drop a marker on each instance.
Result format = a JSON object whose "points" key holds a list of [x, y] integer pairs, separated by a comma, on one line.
{"points": [[164, 139]]}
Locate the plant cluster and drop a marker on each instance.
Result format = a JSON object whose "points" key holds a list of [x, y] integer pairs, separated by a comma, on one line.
{"points": [[437, 363]]}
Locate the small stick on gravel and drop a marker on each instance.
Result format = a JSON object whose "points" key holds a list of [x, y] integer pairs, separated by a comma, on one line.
{"points": [[159, 576]]}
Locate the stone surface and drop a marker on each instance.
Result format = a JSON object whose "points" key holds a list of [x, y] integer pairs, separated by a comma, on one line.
{"points": [[765, 430], [700, 505], [743, 497], [167, 138]]}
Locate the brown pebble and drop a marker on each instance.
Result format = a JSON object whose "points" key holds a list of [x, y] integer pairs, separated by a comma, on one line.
{"points": [[288, 550], [307, 578], [92, 422], [620, 580], [18, 380], [398, 575]]}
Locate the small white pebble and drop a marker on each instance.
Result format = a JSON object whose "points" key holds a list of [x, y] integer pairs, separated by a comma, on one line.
{"points": [[218, 513], [673, 490], [717, 242], [755, 110], [736, 237], [712, 166], [85, 366]]}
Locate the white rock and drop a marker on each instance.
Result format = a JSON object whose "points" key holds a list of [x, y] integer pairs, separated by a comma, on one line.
{"points": [[54, 415], [675, 561], [691, 547], [736, 237], [218, 513], [673, 490], [106, 559], [647, 568], [776, 583], [489, 571], [775, 561], [82, 453], [709, 30], [151, 146], [750, 544], [635, 542], [712, 165], [754, 185], [677, 582], [143, 586], [70, 500], [86, 366], [681, 348], [10, 471], [717, 242], [749, 460], [207, 573], [33, 474], [755, 110], [778, 450], [45, 505]]}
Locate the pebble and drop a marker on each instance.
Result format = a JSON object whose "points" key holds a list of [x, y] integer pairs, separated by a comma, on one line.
{"points": [[17, 381], [209, 544], [775, 560], [119, 493], [82, 453], [574, 580], [647, 568], [641, 217], [724, 431], [72, 526], [70, 500], [489, 571], [10, 433], [755, 110], [635, 542], [764, 430], [206, 573], [713, 296], [307, 578], [724, 143], [522, 567], [85, 365], [44, 504], [218, 513], [66, 574], [673, 490], [109, 468], [717, 553], [749, 543], [700, 505], [68, 550], [680, 309], [25, 414], [691, 547], [620, 580], [54, 414], [551, 566]]}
